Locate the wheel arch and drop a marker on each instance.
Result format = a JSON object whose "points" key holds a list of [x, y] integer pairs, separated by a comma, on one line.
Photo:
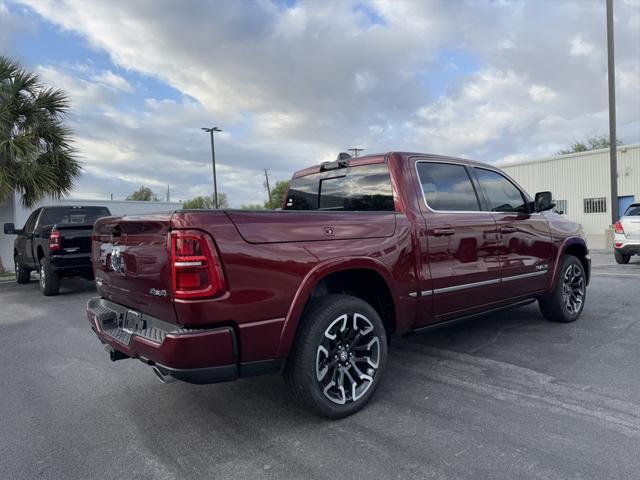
{"points": [[577, 247], [320, 279]]}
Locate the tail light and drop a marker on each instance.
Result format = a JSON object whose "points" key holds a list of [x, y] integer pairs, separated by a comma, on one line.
{"points": [[55, 241], [195, 269], [617, 227]]}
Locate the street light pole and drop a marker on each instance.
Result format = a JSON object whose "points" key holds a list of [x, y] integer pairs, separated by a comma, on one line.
{"points": [[213, 162], [613, 139]]}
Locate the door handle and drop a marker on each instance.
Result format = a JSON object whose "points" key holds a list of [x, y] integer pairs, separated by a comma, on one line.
{"points": [[508, 229], [443, 232]]}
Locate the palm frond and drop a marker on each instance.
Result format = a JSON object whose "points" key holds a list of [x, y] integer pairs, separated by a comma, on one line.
{"points": [[36, 157]]}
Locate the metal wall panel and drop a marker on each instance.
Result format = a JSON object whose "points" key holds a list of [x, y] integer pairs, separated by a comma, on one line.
{"points": [[578, 176]]}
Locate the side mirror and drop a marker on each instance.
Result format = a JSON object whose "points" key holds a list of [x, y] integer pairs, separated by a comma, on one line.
{"points": [[9, 229], [543, 201]]}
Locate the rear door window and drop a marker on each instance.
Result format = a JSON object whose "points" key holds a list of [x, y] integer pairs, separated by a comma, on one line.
{"points": [[361, 188], [502, 195], [447, 187]]}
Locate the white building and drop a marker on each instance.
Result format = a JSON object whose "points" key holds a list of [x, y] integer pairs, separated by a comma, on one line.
{"points": [[12, 211], [580, 184]]}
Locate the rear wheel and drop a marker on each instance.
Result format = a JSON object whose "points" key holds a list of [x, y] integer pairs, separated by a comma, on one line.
{"points": [[339, 357], [49, 280], [23, 274], [566, 302], [621, 258]]}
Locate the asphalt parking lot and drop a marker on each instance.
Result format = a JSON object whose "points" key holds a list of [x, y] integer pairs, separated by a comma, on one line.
{"points": [[507, 396]]}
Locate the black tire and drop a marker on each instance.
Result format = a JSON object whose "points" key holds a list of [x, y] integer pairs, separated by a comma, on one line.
{"points": [[566, 302], [23, 274], [48, 279], [308, 360], [621, 258]]}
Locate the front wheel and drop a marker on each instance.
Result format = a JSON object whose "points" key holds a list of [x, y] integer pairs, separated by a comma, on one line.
{"points": [[49, 280], [566, 301], [621, 258], [339, 356]]}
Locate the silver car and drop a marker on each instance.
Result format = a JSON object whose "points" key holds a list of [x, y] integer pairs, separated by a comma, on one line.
{"points": [[626, 241]]}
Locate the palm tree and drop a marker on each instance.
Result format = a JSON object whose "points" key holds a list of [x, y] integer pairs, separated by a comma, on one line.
{"points": [[36, 158]]}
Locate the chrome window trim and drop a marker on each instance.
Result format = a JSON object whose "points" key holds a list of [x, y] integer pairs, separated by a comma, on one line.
{"points": [[449, 162]]}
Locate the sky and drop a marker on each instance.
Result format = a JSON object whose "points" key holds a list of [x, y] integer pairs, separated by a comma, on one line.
{"points": [[292, 83]]}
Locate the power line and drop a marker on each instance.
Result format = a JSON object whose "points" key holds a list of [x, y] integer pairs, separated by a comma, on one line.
{"points": [[355, 151]]}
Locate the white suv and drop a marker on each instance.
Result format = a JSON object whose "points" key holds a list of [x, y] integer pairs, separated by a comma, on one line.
{"points": [[626, 240]]}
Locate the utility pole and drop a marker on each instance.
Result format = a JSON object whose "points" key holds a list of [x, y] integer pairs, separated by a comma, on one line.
{"points": [[213, 162], [266, 176], [168, 194], [613, 139], [355, 151]]}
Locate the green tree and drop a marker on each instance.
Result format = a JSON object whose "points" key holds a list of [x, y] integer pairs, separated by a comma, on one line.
{"points": [[278, 192], [251, 206], [592, 143], [36, 157], [206, 202], [144, 194]]}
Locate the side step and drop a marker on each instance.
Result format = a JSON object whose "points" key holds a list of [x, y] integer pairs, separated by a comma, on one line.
{"points": [[465, 318]]}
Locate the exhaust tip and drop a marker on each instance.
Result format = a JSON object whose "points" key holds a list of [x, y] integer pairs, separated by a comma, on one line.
{"points": [[163, 377]]}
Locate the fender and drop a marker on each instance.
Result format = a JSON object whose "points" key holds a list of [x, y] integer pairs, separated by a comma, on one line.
{"points": [[567, 242], [313, 277]]}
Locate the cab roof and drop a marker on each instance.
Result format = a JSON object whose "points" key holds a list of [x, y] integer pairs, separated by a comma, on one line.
{"points": [[382, 157]]}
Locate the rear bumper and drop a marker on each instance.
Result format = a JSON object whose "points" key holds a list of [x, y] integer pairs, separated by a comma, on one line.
{"points": [[192, 355], [625, 246], [72, 264]]}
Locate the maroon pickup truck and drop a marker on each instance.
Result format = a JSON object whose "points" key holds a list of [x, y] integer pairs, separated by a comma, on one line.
{"points": [[364, 248]]}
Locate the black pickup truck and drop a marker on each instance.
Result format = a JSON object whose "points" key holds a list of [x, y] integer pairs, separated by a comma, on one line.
{"points": [[55, 241]]}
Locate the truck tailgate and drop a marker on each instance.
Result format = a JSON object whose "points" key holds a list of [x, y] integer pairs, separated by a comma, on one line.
{"points": [[131, 263], [75, 238]]}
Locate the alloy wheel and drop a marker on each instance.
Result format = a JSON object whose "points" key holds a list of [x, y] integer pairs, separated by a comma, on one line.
{"points": [[347, 358], [43, 282], [573, 289]]}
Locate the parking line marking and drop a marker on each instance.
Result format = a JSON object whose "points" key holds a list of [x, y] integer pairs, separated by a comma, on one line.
{"points": [[616, 274]]}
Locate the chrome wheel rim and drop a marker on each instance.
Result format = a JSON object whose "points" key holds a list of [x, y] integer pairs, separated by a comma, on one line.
{"points": [[573, 289], [16, 266], [347, 358], [43, 283]]}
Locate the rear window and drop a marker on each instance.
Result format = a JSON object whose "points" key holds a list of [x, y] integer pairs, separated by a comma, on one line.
{"points": [[72, 215], [362, 188], [633, 211]]}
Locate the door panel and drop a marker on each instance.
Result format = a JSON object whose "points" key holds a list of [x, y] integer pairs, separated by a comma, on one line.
{"points": [[463, 255], [623, 204], [524, 237], [525, 253], [461, 241]]}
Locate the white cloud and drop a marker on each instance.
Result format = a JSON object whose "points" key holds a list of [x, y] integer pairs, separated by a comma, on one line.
{"points": [[291, 86], [110, 79], [580, 47]]}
